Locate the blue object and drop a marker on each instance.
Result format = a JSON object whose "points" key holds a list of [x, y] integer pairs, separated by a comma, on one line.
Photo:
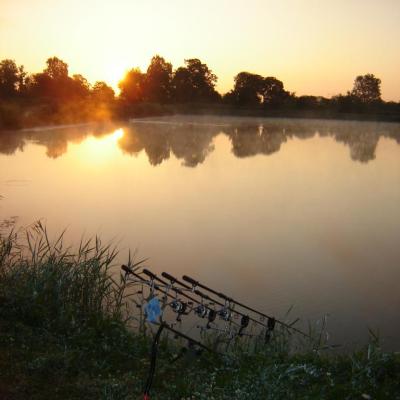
{"points": [[153, 310]]}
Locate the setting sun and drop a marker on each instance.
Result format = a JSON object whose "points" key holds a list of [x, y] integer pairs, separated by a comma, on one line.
{"points": [[115, 72]]}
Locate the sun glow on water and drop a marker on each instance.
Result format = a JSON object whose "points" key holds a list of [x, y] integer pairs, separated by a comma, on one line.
{"points": [[100, 150]]}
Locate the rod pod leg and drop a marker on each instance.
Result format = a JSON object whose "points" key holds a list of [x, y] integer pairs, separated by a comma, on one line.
{"points": [[154, 350]]}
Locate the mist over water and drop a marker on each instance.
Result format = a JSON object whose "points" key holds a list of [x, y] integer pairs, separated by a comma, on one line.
{"points": [[274, 212]]}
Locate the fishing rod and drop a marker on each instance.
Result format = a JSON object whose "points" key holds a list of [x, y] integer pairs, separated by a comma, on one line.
{"points": [[195, 283], [245, 318], [177, 306], [201, 310]]}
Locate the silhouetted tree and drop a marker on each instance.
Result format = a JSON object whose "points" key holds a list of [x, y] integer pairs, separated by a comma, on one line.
{"points": [[9, 78], [132, 86], [182, 85], [273, 92], [103, 93], [56, 69], [194, 83], [252, 89], [80, 86], [247, 89], [157, 82], [367, 88], [53, 84]]}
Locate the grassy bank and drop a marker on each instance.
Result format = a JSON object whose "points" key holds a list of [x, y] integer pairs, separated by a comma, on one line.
{"points": [[64, 334]]}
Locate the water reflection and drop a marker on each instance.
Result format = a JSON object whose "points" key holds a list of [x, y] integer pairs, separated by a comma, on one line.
{"points": [[192, 142]]}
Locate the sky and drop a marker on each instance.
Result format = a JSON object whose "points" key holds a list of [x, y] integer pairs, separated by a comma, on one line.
{"points": [[315, 47]]}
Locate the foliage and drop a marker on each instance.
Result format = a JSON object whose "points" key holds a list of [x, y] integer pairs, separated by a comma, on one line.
{"points": [[253, 89], [367, 88], [132, 86], [157, 86], [53, 96], [11, 78], [195, 82]]}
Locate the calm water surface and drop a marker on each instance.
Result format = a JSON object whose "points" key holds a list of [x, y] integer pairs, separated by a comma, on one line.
{"points": [[278, 213]]}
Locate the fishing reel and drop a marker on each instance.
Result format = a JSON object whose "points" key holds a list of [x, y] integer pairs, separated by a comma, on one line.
{"points": [[225, 314], [201, 311], [179, 307], [244, 323], [270, 327]]}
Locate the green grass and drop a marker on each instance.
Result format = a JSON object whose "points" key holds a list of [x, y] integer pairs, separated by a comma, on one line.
{"points": [[64, 334]]}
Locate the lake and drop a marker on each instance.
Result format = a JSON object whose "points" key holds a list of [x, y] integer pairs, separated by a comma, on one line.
{"points": [[275, 212]]}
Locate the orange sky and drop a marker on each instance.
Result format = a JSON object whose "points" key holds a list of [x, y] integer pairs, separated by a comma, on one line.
{"points": [[315, 47]]}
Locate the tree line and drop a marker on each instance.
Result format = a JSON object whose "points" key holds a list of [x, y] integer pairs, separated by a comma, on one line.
{"points": [[53, 91]]}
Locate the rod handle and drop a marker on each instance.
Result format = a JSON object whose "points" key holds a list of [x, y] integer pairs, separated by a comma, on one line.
{"points": [[148, 273], [201, 294], [168, 276], [190, 280]]}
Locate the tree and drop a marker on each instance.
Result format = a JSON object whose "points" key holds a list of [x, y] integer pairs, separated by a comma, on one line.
{"points": [[102, 93], [248, 88], [9, 78], [23, 80], [53, 84], [80, 86], [367, 88], [182, 85], [56, 68], [195, 82], [157, 82], [273, 92], [132, 86]]}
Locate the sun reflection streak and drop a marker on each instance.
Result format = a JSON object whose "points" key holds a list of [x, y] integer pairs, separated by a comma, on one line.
{"points": [[100, 150]]}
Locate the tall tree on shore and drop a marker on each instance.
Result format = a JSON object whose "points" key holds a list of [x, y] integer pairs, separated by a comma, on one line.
{"points": [[132, 86], [247, 89], [367, 88], [194, 83], [253, 89], [56, 69], [157, 82], [102, 93], [80, 87], [273, 92], [9, 78], [53, 84]]}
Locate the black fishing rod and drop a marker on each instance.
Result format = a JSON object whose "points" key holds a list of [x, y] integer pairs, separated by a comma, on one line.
{"points": [[195, 283], [207, 311], [176, 305], [245, 318], [202, 310]]}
